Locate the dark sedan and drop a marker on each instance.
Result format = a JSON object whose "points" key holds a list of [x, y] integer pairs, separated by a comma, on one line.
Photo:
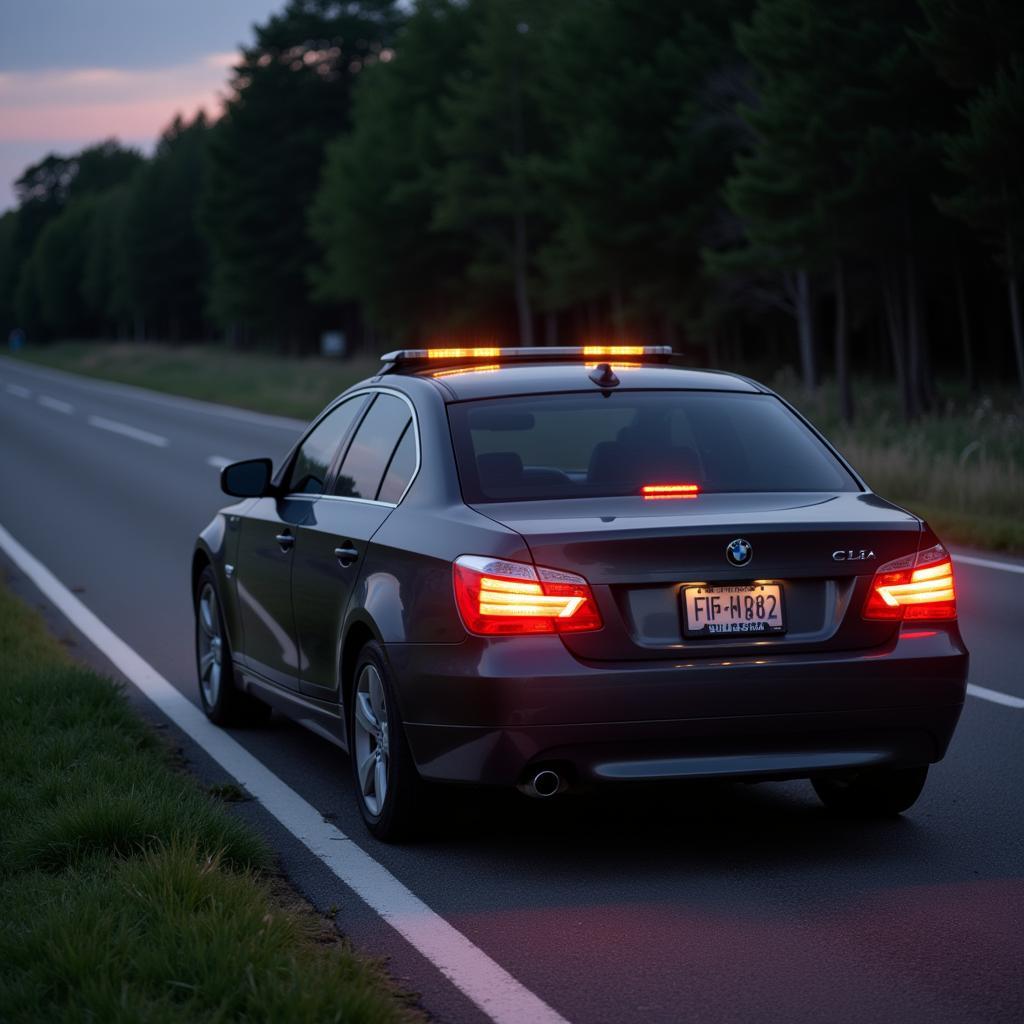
{"points": [[557, 568]]}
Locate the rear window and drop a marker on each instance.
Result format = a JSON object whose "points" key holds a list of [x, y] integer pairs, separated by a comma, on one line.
{"points": [[587, 445]]}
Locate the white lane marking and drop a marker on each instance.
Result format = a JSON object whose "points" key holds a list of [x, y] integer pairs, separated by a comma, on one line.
{"points": [[988, 563], [219, 461], [500, 996], [56, 405], [159, 398], [18, 391], [126, 431], [984, 693]]}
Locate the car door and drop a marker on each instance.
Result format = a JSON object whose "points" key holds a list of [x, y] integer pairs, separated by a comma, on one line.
{"points": [[376, 468], [266, 549]]}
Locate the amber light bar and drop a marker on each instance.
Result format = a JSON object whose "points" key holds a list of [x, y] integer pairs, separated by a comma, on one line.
{"points": [[655, 491], [613, 350], [462, 353], [453, 354]]}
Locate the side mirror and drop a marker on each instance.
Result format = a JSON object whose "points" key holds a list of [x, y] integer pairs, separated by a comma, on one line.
{"points": [[248, 479]]}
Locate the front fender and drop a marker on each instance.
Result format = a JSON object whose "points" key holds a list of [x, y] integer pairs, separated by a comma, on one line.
{"points": [[217, 546]]}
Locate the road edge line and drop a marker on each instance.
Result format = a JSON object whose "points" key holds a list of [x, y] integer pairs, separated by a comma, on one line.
{"points": [[482, 980], [988, 563], [995, 696]]}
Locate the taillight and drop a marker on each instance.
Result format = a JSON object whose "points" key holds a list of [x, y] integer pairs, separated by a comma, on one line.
{"points": [[496, 597], [914, 587]]}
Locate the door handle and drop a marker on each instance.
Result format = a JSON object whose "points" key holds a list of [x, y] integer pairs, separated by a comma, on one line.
{"points": [[286, 540], [346, 555]]}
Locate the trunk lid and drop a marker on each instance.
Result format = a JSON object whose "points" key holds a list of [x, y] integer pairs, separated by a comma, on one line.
{"points": [[821, 548]]}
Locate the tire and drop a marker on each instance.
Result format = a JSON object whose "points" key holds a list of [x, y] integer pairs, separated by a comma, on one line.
{"points": [[223, 703], [388, 787], [872, 793]]}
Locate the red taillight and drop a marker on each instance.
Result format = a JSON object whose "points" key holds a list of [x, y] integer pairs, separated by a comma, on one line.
{"points": [[496, 597], [914, 587]]}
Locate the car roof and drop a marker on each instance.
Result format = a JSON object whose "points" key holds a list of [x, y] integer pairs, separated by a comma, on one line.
{"points": [[462, 383]]}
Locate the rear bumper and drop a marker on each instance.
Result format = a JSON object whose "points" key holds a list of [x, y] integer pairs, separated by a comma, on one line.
{"points": [[491, 711]]}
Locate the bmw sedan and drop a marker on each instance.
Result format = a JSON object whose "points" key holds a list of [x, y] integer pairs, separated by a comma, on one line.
{"points": [[556, 569]]}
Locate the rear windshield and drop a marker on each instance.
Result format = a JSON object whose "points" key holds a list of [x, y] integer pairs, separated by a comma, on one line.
{"points": [[586, 445]]}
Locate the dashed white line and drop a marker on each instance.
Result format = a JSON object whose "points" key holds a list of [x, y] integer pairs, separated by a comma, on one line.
{"points": [[988, 563], [18, 391], [984, 693], [219, 461], [286, 423], [56, 405], [488, 985], [127, 431]]}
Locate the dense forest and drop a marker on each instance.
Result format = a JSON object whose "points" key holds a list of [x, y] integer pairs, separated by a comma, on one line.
{"points": [[832, 184]]}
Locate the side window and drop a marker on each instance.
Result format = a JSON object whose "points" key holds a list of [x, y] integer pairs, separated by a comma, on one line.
{"points": [[401, 467], [370, 451], [308, 474]]}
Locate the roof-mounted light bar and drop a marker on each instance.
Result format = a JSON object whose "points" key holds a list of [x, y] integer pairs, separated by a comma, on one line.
{"points": [[434, 356]]}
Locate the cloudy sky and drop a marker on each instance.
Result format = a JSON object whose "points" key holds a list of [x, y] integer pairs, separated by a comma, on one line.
{"points": [[77, 71]]}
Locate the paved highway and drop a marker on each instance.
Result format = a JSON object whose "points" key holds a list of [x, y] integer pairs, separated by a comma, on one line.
{"points": [[706, 903]]}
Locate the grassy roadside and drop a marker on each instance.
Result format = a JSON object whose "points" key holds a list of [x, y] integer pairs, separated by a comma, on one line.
{"points": [[250, 380], [126, 892], [962, 467]]}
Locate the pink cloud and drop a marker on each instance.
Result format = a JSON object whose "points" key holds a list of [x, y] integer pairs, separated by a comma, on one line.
{"points": [[97, 103]]}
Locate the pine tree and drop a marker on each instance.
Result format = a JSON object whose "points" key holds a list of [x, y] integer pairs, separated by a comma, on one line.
{"points": [[492, 131], [988, 157], [106, 287], [166, 257], [838, 167], [290, 94], [978, 48], [630, 91], [373, 212]]}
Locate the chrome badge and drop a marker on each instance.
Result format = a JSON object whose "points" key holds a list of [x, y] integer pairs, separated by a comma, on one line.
{"points": [[849, 555], [739, 551]]}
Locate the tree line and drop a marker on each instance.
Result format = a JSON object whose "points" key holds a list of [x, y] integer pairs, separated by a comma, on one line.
{"points": [[833, 184]]}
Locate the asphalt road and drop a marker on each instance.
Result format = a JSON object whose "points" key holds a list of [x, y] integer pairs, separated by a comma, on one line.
{"points": [[705, 903]]}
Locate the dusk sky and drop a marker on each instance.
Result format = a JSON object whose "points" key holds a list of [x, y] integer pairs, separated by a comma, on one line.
{"points": [[79, 71]]}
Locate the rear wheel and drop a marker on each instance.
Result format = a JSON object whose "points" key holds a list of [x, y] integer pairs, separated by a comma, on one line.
{"points": [[873, 792], [222, 702], [388, 786]]}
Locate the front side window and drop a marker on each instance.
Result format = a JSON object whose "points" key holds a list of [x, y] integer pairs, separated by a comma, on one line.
{"points": [[369, 454], [312, 462], [588, 445]]}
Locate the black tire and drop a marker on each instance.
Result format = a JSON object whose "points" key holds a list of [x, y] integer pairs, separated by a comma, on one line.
{"points": [[873, 792], [399, 815], [224, 704]]}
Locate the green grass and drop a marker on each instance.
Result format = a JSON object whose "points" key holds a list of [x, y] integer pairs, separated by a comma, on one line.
{"points": [[251, 380], [126, 892], [962, 467]]}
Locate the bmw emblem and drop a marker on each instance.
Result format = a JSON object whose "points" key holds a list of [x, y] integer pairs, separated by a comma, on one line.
{"points": [[739, 551]]}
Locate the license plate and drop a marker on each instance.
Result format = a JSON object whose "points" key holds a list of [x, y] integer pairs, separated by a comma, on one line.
{"points": [[733, 610]]}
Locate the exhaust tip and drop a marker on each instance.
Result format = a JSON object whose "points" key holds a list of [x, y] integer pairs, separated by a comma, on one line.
{"points": [[546, 783]]}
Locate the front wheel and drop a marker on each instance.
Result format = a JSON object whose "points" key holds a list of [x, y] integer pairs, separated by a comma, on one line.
{"points": [[387, 782], [222, 702], [873, 792]]}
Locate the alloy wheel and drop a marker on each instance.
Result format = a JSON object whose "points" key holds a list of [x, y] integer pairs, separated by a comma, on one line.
{"points": [[210, 643], [370, 715]]}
